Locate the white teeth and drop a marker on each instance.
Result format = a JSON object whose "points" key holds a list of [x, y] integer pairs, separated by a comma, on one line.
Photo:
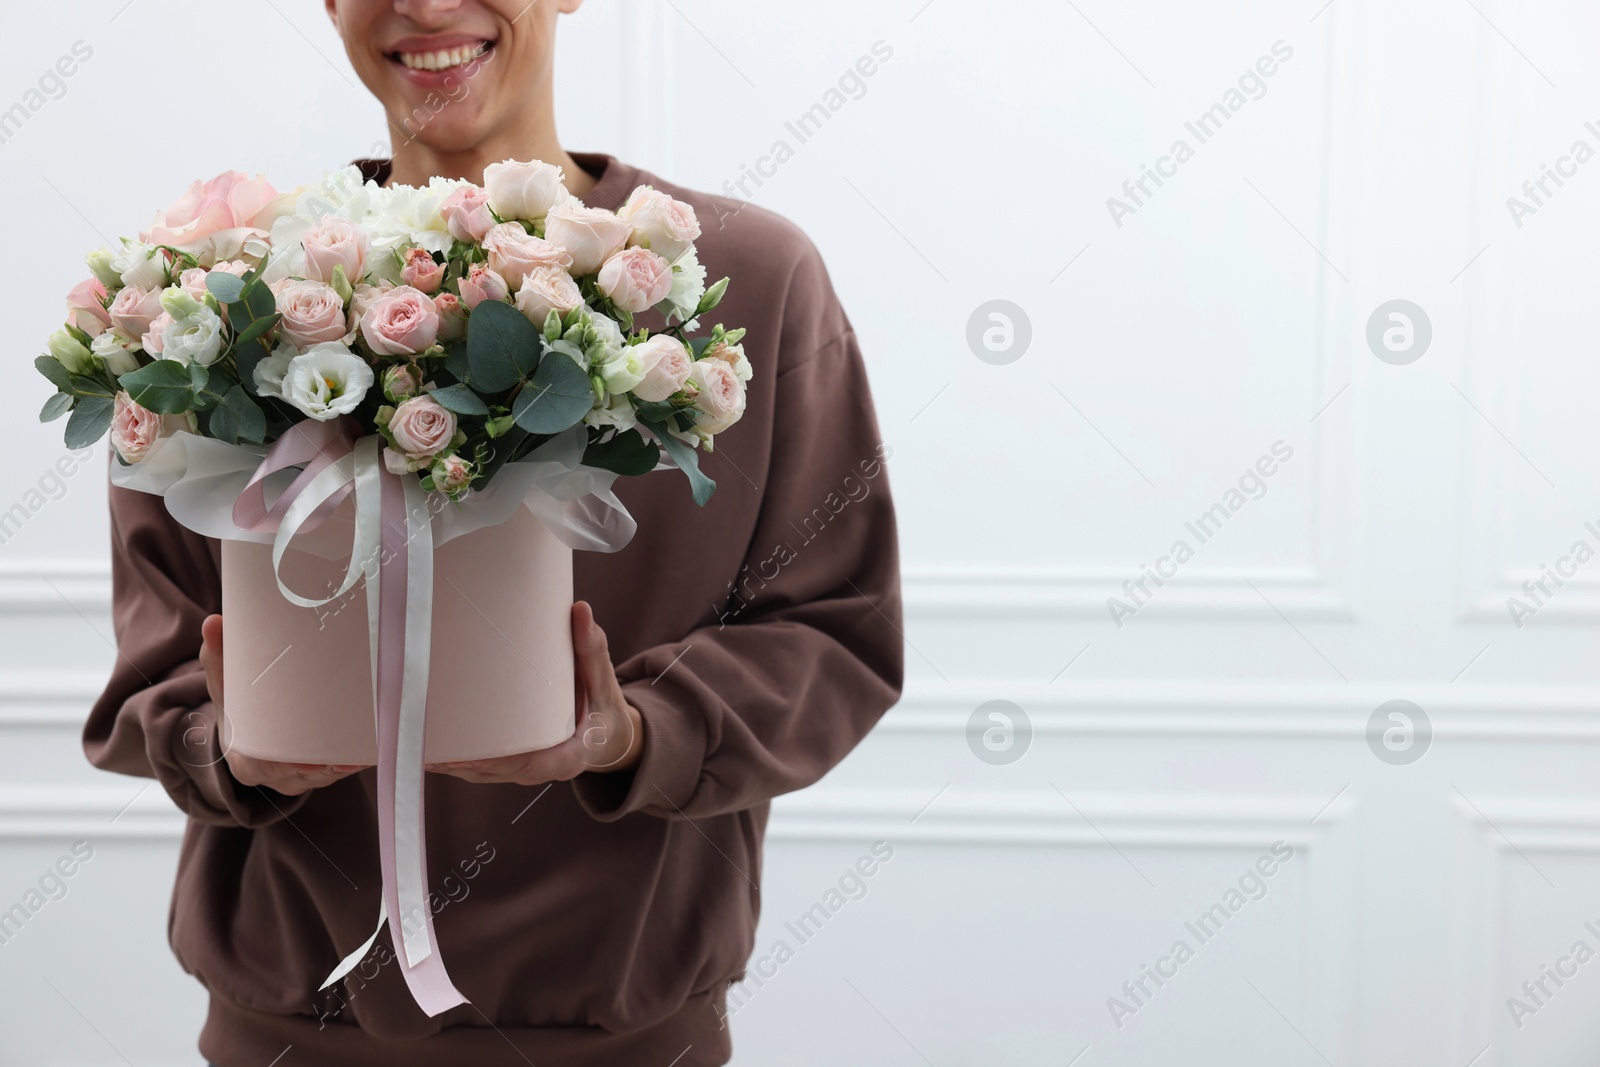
{"points": [[442, 60]]}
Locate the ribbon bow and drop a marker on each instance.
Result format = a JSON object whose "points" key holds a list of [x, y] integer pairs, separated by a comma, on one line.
{"points": [[393, 544]]}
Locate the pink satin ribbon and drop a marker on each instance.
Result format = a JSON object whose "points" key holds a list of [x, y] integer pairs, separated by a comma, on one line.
{"points": [[317, 445]]}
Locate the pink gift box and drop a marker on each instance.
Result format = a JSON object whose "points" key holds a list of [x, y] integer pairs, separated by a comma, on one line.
{"points": [[297, 680]]}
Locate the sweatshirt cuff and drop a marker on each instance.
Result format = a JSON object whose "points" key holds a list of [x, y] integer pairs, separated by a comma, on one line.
{"points": [[668, 772], [198, 766]]}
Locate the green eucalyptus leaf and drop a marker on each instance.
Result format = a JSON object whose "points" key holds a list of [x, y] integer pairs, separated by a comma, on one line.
{"points": [[502, 346], [460, 399], [51, 368], [58, 405], [688, 461], [227, 288], [162, 386], [238, 418], [558, 396], [627, 453], [91, 418], [257, 329]]}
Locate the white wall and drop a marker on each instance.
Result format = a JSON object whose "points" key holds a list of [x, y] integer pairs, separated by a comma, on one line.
{"points": [[1167, 755]]}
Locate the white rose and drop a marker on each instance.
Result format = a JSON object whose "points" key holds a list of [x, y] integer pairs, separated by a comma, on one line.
{"points": [[522, 190], [109, 347], [326, 381], [196, 338], [589, 235], [140, 265], [665, 226]]}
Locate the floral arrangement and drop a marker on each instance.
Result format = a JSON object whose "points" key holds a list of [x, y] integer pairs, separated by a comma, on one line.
{"points": [[465, 324]]}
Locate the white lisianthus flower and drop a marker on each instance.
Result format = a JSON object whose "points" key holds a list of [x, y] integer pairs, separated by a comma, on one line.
{"points": [[140, 265], [617, 411], [195, 338], [118, 360], [268, 373], [623, 371], [326, 381], [688, 286], [100, 263]]}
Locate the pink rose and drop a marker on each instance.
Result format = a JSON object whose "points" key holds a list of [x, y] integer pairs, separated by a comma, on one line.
{"points": [[666, 363], [365, 296], [193, 282], [451, 474], [401, 322], [86, 307], [214, 219], [482, 284], [236, 267], [134, 310], [313, 313], [666, 226], [421, 272], [422, 427], [547, 289], [721, 396], [152, 339], [513, 252], [336, 242], [522, 190], [635, 279], [452, 317], [588, 234], [466, 213], [134, 429], [401, 382]]}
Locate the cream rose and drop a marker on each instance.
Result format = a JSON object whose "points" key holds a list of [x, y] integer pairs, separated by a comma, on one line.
{"points": [[421, 428], [134, 429], [513, 252], [721, 398], [635, 279], [589, 235], [666, 226], [666, 364], [522, 190], [312, 313], [134, 310], [401, 322], [336, 242], [547, 289]]}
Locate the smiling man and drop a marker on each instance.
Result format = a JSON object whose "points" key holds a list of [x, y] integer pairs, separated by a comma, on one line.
{"points": [[614, 880]]}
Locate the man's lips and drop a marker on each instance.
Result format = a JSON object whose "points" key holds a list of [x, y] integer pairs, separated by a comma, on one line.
{"points": [[438, 55]]}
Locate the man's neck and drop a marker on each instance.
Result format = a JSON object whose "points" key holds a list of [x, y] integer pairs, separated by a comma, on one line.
{"points": [[415, 162]]}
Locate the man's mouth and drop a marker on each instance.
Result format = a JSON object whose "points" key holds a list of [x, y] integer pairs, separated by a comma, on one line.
{"points": [[441, 59]]}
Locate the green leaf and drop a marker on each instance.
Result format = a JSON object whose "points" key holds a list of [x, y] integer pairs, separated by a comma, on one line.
{"points": [[627, 453], [688, 460], [51, 368], [558, 396], [89, 422], [257, 329], [457, 363], [199, 376], [654, 411], [502, 346], [461, 400], [226, 287], [162, 386], [238, 418], [58, 405], [699, 345]]}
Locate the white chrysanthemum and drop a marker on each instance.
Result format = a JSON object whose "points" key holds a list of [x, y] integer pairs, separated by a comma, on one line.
{"points": [[326, 381], [403, 216], [688, 286], [195, 338]]}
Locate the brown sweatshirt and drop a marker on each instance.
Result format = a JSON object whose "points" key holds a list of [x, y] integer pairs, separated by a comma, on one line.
{"points": [[596, 922]]}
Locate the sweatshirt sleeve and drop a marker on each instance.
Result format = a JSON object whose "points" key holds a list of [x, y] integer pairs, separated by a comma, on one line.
{"points": [[155, 717], [808, 654]]}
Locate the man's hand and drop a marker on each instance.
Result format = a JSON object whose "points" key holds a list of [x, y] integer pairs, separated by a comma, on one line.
{"points": [[290, 779], [609, 737]]}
